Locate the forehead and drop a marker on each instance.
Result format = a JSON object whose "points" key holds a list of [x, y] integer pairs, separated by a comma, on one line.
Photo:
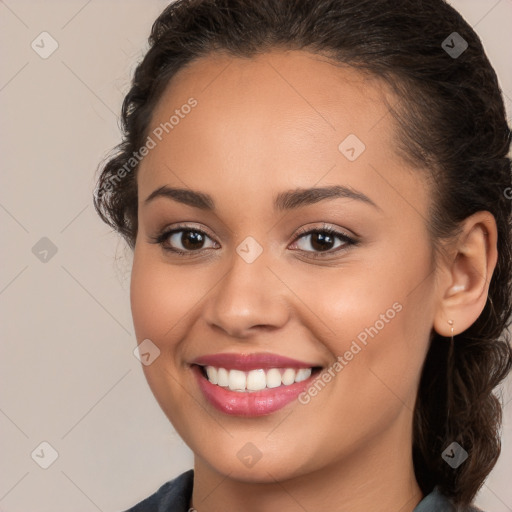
{"points": [[281, 118]]}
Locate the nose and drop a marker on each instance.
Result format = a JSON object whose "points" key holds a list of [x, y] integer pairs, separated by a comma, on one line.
{"points": [[247, 300]]}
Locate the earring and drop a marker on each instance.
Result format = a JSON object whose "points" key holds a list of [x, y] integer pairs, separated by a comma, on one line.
{"points": [[450, 322], [449, 377]]}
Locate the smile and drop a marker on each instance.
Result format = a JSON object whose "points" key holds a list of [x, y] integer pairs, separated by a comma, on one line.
{"points": [[252, 384], [255, 380]]}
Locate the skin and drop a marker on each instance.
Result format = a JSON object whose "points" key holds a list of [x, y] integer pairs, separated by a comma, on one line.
{"points": [[263, 126]]}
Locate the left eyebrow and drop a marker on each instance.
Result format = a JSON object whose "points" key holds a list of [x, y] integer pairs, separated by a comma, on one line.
{"points": [[305, 196]]}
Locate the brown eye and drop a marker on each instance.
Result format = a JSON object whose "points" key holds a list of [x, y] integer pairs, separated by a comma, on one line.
{"points": [[184, 241], [322, 240]]}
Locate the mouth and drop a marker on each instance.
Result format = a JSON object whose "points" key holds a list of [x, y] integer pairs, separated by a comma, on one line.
{"points": [[256, 380], [253, 385]]}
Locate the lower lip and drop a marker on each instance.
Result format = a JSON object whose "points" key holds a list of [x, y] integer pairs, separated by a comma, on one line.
{"points": [[249, 403]]}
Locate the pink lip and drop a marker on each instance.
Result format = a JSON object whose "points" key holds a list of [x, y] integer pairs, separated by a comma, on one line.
{"points": [[246, 362], [249, 404]]}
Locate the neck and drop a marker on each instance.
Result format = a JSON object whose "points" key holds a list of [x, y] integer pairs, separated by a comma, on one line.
{"points": [[379, 477]]}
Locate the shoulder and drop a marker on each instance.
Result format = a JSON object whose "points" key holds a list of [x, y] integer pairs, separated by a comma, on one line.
{"points": [[437, 502], [173, 495]]}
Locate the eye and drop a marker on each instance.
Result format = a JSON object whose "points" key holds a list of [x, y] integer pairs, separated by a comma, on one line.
{"points": [[184, 240], [322, 240]]}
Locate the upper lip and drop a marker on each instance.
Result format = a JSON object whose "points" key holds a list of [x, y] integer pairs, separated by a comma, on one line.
{"points": [[254, 361]]}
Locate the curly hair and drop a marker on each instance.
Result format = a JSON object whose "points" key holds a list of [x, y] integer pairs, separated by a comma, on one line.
{"points": [[450, 119]]}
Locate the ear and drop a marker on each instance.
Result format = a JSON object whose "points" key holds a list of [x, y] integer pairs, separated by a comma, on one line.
{"points": [[463, 282]]}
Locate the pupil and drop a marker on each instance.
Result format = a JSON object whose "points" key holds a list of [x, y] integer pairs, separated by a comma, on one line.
{"points": [[189, 238], [322, 242]]}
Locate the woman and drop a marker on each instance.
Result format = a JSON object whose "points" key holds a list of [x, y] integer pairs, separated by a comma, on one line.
{"points": [[315, 194]]}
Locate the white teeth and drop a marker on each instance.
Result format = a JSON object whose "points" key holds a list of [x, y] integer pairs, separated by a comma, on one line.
{"points": [[273, 378], [212, 374], [237, 380], [303, 374], [256, 380], [222, 377], [288, 376]]}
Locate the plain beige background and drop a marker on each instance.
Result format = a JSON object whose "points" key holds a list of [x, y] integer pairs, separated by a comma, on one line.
{"points": [[69, 376]]}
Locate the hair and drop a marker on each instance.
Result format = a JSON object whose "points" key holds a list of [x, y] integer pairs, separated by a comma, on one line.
{"points": [[451, 122]]}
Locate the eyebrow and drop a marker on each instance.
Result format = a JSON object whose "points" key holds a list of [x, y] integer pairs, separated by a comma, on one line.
{"points": [[289, 200]]}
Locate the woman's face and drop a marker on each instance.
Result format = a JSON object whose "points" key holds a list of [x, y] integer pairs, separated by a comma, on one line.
{"points": [[256, 136]]}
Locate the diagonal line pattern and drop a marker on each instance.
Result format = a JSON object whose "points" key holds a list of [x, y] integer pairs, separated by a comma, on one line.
{"points": [[487, 13], [74, 218], [289, 212], [5, 495], [13, 279], [279, 423], [286, 491], [198, 301], [397, 192], [14, 76], [97, 402], [216, 487], [486, 278], [187, 187], [301, 301], [76, 14], [88, 88], [216, 76], [497, 497], [95, 299], [382, 382], [198, 403], [302, 96], [13, 13], [13, 218], [85, 494], [14, 423]]}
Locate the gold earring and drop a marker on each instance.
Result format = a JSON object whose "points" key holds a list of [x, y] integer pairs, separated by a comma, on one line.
{"points": [[449, 376]]}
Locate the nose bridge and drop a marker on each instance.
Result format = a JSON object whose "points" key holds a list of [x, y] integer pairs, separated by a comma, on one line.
{"points": [[249, 295]]}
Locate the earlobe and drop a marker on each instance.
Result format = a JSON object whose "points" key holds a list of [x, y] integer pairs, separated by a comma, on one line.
{"points": [[467, 274]]}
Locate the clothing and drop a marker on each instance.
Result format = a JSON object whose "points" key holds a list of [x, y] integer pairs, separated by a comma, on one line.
{"points": [[174, 496]]}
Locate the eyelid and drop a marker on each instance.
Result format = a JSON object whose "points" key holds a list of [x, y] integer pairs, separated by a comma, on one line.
{"points": [[324, 227], [165, 233]]}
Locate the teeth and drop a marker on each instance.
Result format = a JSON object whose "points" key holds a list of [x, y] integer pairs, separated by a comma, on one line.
{"points": [[212, 374], [288, 376], [273, 378], [237, 380], [255, 380], [222, 377], [303, 374]]}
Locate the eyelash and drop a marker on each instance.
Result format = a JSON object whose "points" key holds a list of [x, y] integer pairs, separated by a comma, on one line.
{"points": [[162, 238]]}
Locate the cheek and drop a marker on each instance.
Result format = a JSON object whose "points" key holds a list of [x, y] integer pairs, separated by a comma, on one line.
{"points": [[378, 318], [161, 297]]}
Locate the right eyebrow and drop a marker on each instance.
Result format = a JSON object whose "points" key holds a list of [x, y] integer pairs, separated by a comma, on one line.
{"points": [[185, 196]]}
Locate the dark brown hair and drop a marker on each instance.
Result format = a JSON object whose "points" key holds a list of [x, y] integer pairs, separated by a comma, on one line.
{"points": [[450, 120]]}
